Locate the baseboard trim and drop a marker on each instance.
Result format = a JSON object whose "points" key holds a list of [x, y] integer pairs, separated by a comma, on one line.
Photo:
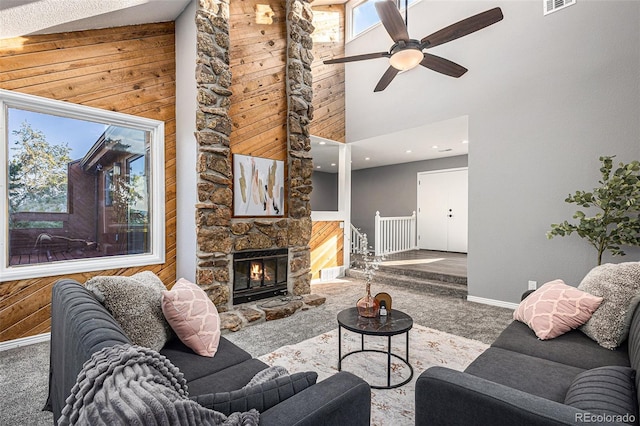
{"points": [[492, 302], [24, 341]]}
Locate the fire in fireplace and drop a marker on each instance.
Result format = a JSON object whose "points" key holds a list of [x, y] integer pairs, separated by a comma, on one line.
{"points": [[259, 274]]}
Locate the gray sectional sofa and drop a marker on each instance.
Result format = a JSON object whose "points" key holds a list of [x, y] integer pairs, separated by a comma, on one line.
{"points": [[521, 380], [80, 326]]}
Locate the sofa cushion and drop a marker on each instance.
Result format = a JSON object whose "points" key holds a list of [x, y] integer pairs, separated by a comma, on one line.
{"points": [[556, 308], [260, 396], [605, 390], [573, 348], [227, 380], [134, 302], [134, 385], [540, 377], [267, 375], [619, 285], [194, 366], [193, 317]]}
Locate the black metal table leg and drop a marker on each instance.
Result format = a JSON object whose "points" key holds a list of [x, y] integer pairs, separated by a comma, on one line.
{"points": [[389, 362], [407, 347], [339, 348]]}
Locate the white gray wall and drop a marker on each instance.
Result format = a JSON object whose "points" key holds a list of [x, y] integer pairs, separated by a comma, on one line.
{"points": [[545, 96], [324, 196], [392, 190], [186, 146]]}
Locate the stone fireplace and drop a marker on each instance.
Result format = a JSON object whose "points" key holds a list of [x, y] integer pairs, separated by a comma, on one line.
{"points": [[221, 237], [258, 274]]}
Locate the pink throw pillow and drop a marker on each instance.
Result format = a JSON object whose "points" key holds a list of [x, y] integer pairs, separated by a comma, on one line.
{"points": [[556, 308], [192, 316]]}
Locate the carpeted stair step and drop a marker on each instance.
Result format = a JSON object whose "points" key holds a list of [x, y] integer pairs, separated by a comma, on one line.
{"points": [[415, 283], [423, 275]]}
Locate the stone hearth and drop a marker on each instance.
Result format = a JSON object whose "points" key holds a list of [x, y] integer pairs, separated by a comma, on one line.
{"points": [[219, 234], [267, 310]]}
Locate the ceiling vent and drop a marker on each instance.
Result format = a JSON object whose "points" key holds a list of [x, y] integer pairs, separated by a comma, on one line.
{"points": [[551, 6]]}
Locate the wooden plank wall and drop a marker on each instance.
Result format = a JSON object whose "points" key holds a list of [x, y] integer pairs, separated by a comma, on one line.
{"points": [[258, 64], [327, 245], [126, 69], [328, 80]]}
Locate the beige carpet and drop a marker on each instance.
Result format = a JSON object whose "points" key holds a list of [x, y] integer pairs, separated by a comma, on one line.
{"points": [[427, 347]]}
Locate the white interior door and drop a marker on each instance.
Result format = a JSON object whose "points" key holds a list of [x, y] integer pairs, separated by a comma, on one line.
{"points": [[431, 215], [458, 206], [443, 210]]}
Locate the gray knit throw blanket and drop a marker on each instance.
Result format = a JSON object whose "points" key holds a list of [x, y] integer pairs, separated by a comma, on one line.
{"points": [[133, 385]]}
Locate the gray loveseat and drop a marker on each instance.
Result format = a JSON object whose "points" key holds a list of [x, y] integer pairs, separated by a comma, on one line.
{"points": [[521, 380], [80, 326]]}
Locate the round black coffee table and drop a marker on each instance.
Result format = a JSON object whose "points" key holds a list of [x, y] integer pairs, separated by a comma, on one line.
{"points": [[396, 322]]}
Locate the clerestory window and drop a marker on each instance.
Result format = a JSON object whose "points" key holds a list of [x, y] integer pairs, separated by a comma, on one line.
{"points": [[362, 15]]}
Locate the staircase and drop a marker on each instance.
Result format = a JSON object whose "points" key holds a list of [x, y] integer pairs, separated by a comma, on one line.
{"points": [[430, 282]]}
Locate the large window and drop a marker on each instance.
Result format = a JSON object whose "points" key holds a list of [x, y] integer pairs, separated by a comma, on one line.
{"points": [[363, 15], [83, 188]]}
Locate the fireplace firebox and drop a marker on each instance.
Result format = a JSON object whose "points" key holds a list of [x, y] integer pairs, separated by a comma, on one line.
{"points": [[259, 274]]}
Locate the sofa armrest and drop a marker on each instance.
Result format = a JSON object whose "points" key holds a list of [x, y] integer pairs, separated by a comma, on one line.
{"points": [[449, 397], [80, 326], [526, 294], [338, 400]]}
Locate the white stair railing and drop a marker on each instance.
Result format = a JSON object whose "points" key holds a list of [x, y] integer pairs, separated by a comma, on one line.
{"points": [[395, 234], [358, 241]]}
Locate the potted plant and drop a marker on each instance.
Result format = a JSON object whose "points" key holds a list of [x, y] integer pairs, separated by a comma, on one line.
{"points": [[616, 201]]}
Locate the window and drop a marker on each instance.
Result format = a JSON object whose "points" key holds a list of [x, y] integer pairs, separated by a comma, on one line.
{"points": [[83, 188], [363, 15]]}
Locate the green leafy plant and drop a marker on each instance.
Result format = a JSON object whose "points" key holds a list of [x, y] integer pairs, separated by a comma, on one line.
{"points": [[616, 201]]}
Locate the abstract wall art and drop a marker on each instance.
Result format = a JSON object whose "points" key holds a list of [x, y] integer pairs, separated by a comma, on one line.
{"points": [[258, 186]]}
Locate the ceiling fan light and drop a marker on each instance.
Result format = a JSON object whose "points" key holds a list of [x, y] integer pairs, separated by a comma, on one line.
{"points": [[406, 59]]}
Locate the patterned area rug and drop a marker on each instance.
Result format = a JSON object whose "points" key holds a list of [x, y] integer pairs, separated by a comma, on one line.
{"points": [[427, 347]]}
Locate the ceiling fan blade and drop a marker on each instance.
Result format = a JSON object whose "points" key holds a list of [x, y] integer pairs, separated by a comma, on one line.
{"points": [[392, 20], [387, 77], [357, 58], [463, 28], [442, 65]]}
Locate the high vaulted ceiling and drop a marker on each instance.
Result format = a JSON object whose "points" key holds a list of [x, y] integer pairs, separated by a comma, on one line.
{"points": [[409, 141]]}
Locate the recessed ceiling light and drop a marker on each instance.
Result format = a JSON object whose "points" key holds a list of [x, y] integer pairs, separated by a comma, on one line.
{"points": [[408, 151], [367, 158], [435, 147], [322, 143], [333, 164], [465, 141], [318, 167]]}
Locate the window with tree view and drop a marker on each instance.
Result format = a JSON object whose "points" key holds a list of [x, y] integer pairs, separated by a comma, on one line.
{"points": [[81, 189]]}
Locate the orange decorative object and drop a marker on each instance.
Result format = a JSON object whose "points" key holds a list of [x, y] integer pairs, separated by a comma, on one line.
{"points": [[380, 297], [368, 306]]}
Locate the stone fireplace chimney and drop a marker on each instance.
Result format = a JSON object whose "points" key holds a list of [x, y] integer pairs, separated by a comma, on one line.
{"points": [[219, 234]]}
